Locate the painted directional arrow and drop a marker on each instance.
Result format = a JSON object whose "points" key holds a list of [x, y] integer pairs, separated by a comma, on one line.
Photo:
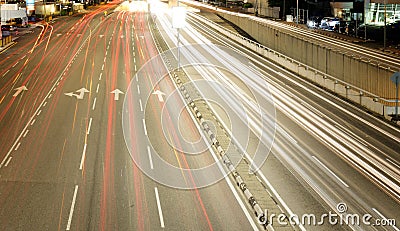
{"points": [[160, 95], [81, 91], [116, 93], [19, 90]]}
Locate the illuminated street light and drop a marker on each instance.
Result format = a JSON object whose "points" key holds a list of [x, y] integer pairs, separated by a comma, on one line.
{"points": [[178, 22]]}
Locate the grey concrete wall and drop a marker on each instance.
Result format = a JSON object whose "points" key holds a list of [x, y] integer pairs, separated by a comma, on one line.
{"points": [[358, 75]]}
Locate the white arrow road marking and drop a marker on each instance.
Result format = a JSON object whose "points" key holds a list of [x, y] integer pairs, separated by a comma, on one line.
{"points": [[160, 95], [81, 91], [19, 90], [116, 93]]}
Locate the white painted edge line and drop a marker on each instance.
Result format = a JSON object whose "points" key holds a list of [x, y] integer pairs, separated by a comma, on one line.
{"points": [[150, 158], [140, 104], [159, 208], [83, 157], [8, 161], [144, 127], [71, 211], [94, 103], [89, 126], [330, 171], [16, 148], [5, 73]]}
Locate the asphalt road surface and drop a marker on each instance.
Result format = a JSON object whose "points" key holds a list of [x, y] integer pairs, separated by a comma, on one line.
{"points": [[87, 126]]}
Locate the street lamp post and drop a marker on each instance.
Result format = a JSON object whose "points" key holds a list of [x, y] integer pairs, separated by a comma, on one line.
{"points": [[178, 21], [384, 28], [297, 11]]}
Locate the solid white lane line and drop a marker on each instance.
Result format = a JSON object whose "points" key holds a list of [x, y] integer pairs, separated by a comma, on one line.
{"points": [[330, 171], [6, 73], [94, 103], [89, 126], [8, 161], [159, 208], [392, 162], [140, 104], [150, 159], [26, 132], [100, 75], [71, 211], [138, 89], [16, 148], [83, 157], [144, 127], [97, 88]]}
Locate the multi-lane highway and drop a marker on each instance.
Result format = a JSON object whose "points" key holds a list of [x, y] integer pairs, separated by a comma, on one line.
{"points": [[95, 135], [64, 161], [340, 153]]}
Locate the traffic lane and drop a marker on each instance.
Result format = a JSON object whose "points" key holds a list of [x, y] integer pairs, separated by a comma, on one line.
{"points": [[346, 184], [53, 146], [209, 94], [45, 165], [386, 132], [146, 161], [378, 134], [213, 214], [25, 105]]}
